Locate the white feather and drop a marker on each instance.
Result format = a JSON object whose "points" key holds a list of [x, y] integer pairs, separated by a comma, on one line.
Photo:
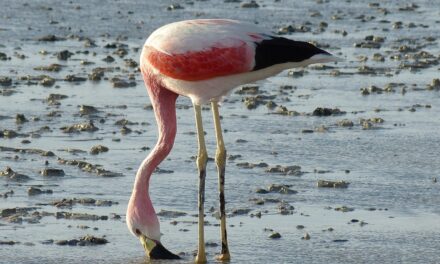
{"points": [[173, 38]]}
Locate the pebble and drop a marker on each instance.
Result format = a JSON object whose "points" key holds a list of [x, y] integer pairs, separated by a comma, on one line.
{"points": [[87, 110], [251, 4], [240, 211], [5, 81], [64, 55], [280, 188], [108, 59], [340, 240], [36, 191], [74, 78], [4, 57], [434, 85], [275, 235], [47, 81], [14, 176], [282, 110], [321, 111], [98, 149], [83, 201], [119, 83], [170, 214], [332, 184], [174, 7], [52, 172], [345, 123], [87, 240], [81, 127], [125, 130], [50, 38], [306, 236], [8, 243], [88, 167], [20, 119], [52, 68], [287, 170], [248, 165], [285, 208], [79, 216], [344, 209], [249, 90]]}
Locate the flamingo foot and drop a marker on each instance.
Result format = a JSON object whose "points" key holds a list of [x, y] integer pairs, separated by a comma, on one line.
{"points": [[200, 259], [223, 257]]}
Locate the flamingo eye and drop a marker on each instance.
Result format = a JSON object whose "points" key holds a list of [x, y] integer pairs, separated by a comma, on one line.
{"points": [[138, 232]]}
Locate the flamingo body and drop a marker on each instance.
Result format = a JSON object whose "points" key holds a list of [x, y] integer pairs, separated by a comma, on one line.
{"points": [[204, 60]]}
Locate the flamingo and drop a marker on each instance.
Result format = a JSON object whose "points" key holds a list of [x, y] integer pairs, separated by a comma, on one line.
{"points": [[202, 59]]}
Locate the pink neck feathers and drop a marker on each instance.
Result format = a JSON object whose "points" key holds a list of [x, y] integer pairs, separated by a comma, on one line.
{"points": [[164, 105]]}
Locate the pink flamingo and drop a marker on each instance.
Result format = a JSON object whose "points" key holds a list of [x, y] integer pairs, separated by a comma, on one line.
{"points": [[203, 59]]}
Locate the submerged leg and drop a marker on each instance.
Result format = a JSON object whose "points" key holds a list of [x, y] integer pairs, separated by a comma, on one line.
{"points": [[220, 160], [202, 158]]}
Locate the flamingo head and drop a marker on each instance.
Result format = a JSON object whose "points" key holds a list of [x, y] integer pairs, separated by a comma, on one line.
{"points": [[143, 223]]}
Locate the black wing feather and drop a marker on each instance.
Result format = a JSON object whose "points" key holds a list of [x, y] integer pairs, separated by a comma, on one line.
{"points": [[279, 50]]}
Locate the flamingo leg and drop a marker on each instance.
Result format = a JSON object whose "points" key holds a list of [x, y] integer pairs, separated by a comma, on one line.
{"points": [[220, 160], [202, 158]]}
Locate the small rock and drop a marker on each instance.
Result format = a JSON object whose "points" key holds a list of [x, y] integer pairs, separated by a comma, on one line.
{"points": [[131, 63], [12, 175], [125, 130], [20, 119], [435, 84], [98, 149], [275, 235], [251, 4], [73, 78], [52, 67], [53, 97], [3, 56], [118, 83], [8, 212], [345, 123], [170, 214], [344, 209], [89, 127], [8, 243], [52, 172], [34, 191], [174, 7], [87, 110], [50, 38], [64, 55], [5, 81], [47, 81], [332, 184], [284, 189], [320, 111], [240, 211], [109, 59], [306, 236]]}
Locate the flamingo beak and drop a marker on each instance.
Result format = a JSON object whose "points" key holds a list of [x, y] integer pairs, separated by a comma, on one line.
{"points": [[155, 250]]}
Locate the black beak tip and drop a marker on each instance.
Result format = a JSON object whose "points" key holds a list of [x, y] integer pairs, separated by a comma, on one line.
{"points": [[160, 252]]}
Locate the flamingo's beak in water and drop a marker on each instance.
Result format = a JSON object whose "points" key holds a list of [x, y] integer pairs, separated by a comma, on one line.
{"points": [[155, 250]]}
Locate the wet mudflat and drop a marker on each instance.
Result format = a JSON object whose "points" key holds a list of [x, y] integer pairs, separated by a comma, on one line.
{"points": [[327, 164]]}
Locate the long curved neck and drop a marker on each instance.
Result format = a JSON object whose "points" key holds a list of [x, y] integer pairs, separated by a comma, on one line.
{"points": [[164, 105]]}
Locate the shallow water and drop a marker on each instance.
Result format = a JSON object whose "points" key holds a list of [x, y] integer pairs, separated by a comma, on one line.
{"points": [[391, 167]]}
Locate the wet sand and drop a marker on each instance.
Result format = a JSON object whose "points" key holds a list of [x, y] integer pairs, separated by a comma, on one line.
{"points": [[327, 164]]}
